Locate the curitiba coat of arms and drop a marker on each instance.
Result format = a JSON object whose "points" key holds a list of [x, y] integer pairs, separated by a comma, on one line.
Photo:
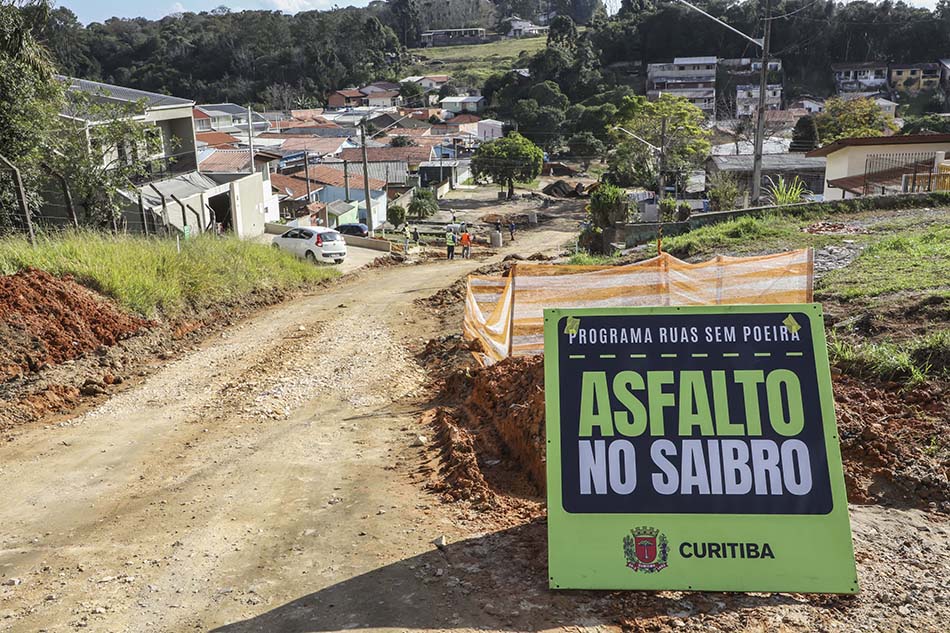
{"points": [[646, 549]]}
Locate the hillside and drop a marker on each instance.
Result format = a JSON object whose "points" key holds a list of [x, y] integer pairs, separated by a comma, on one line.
{"points": [[471, 65]]}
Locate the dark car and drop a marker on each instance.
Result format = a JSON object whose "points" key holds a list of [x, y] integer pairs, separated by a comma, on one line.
{"points": [[359, 230]]}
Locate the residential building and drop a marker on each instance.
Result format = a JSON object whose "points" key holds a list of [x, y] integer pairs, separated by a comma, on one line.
{"points": [[317, 146], [428, 82], [383, 98], [860, 76], [518, 27], [348, 98], [811, 105], [882, 165], [412, 155], [810, 170], [449, 37], [693, 78], [218, 140], [336, 185], [379, 86], [747, 99], [172, 195], [888, 107], [395, 173], [227, 165], [229, 117], [465, 103], [433, 173], [489, 129], [911, 79]]}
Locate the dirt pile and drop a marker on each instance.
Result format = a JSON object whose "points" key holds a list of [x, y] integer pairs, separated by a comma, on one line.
{"points": [[489, 434], [891, 443], [46, 320], [890, 440]]}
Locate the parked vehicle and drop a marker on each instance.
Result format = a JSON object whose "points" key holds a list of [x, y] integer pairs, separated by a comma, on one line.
{"points": [[316, 244], [357, 229]]}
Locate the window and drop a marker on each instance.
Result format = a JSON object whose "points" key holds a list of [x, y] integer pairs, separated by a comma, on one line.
{"points": [[898, 72]]}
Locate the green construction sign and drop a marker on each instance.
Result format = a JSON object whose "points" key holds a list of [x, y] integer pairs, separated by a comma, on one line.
{"points": [[694, 448]]}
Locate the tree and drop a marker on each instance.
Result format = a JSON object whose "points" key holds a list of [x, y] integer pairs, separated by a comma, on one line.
{"points": [[412, 93], [805, 134], [396, 215], [853, 118], [29, 99], [423, 203], [448, 90], [928, 124], [671, 124], [402, 141], [408, 21], [585, 146], [562, 32], [505, 160], [608, 205]]}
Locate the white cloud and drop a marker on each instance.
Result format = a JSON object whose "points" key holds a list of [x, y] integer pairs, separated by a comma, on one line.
{"points": [[178, 8]]}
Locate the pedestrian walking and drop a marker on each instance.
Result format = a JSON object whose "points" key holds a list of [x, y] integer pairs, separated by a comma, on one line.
{"points": [[449, 244], [406, 235], [511, 229], [466, 242], [415, 234]]}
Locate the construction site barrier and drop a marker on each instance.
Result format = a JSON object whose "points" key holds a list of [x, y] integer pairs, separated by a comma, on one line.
{"points": [[504, 316]]}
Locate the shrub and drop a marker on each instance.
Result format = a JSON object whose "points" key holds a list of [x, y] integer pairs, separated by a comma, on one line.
{"points": [[423, 203], [608, 205], [723, 192], [786, 192], [667, 208], [683, 211], [396, 215]]}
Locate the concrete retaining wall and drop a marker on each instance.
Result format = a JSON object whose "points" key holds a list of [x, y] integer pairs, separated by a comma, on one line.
{"points": [[368, 242]]}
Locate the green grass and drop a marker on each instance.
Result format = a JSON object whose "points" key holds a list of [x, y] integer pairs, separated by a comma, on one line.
{"points": [[587, 259], [911, 362], [472, 64], [149, 277], [912, 262], [744, 235]]}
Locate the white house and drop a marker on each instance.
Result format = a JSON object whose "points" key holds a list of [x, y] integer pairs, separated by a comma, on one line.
{"points": [[747, 98], [458, 105], [518, 27], [428, 82], [865, 166], [489, 129]]}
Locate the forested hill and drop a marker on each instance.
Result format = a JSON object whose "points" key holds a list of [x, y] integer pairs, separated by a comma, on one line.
{"points": [[247, 56], [266, 57]]}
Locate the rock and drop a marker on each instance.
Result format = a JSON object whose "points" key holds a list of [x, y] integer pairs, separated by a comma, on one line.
{"points": [[12, 582], [440, 541], [419, 441], [301, 328], [92, 388], [439, 571]]}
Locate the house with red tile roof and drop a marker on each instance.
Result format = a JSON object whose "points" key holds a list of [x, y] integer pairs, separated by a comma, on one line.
{"points": [[339, 185], [348, 98], [413, 154], [216, 140]]}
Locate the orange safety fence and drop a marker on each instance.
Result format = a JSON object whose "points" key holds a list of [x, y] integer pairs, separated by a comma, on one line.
{"points": [[504, 315]]}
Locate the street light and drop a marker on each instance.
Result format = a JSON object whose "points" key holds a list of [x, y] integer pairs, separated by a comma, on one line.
{"points": [[659, 151], [763, 86]]}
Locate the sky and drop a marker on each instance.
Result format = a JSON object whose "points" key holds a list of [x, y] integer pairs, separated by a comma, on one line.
{"points": [[100, 10]]}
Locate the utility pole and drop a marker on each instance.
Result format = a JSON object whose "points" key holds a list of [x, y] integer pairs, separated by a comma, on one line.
{"points": [[250, 138], [760, 118], [306, 166], [369, 202], [763, 84], [661, 179]]}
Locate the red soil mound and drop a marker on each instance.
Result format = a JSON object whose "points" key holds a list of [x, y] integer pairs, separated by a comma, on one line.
{"points": [[490, 430], [45, 320]]}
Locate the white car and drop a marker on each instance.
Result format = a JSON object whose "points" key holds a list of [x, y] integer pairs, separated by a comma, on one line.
{"points": [[315, 243]]}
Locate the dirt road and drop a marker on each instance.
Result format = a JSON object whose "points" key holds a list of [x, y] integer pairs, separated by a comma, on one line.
{"points": [[269, 480], [268, 464]]}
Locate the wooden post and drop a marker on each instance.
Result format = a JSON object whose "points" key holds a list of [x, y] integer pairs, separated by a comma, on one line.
{"points": [[511, 319], [144, 216], [21, 199]]}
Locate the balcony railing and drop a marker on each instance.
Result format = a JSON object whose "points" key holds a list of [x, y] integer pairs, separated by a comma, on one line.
{"points": [[167, 167]]}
